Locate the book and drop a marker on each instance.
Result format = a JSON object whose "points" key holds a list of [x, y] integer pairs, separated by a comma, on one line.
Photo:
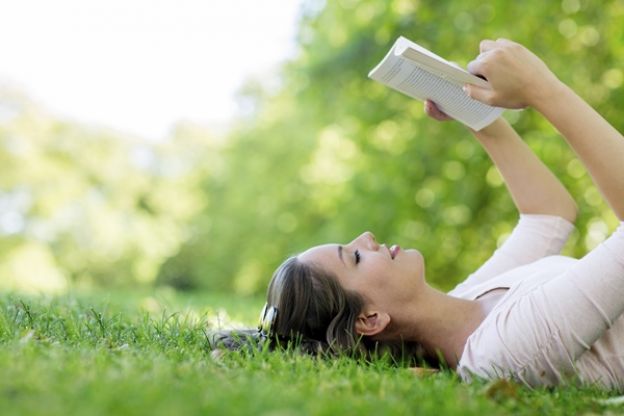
{"points": [[421, 74]]}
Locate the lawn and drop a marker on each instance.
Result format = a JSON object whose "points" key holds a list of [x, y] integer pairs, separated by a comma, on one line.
{"points": [[146, 353]]}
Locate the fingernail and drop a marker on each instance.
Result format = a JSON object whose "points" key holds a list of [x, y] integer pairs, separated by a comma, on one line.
{"points": [[465, 89]]}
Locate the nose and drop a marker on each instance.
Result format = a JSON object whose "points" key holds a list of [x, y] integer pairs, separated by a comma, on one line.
{"points": [[367, 239]]}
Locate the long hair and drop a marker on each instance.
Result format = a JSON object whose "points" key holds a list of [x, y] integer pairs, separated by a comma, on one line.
{"points": [[312, 305], [317, 314]]}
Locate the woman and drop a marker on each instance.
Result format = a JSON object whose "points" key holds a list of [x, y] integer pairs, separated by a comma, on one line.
{"points": [[527, 313]]}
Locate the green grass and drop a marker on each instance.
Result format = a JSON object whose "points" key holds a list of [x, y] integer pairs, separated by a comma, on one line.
{"points": [[122, 353]]}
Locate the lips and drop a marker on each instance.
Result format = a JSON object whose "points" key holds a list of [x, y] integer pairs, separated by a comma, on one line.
{"points": [[394, 251]]}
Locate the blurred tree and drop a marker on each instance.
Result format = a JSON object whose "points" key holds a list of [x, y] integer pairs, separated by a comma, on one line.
{"points": [[331, 153], [320, 153], [80, 205]]}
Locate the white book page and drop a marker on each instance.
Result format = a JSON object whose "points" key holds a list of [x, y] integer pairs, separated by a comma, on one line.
{"points": [[407, 77], [435, 64], [403, 43]]}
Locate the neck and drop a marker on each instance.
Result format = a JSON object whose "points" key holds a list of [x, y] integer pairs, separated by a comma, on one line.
{"points": [[440, 323]]}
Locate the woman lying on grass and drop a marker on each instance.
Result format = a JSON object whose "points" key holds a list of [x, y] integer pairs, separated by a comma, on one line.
{"points": [[528, 313]]}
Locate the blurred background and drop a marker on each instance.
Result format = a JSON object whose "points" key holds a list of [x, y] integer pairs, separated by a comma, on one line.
{"points": [[195, 145]]}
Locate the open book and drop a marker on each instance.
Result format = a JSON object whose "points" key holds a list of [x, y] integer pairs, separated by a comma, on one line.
{"points": [[421, 74]]}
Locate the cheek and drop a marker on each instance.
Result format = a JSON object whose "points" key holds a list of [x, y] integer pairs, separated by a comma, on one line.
{"points": [[369, 281], [380, 274]]}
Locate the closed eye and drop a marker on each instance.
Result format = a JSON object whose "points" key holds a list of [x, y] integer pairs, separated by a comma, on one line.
{"points": [[357, 256]]}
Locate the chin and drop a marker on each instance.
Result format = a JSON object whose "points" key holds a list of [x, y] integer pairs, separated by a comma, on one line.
{"points": [[412, 252], [417, 258]]}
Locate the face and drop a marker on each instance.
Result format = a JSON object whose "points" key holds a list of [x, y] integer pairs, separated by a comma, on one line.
{"points": [[387, 278]]}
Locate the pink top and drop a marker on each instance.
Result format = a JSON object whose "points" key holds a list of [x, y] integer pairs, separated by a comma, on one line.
{"points": [[560, 319]]}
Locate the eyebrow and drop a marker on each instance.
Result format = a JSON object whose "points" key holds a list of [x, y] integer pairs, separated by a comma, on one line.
{"points": [[340, 253]]}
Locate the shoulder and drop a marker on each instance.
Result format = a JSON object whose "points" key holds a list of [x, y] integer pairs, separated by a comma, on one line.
{"points": [[516, 340]]}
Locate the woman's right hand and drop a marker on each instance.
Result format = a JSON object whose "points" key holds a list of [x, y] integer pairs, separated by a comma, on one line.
{"points": [[432, 110]]}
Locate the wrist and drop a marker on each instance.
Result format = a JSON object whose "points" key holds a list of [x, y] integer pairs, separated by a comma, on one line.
{"points": [[550, 96], [496, 129]]}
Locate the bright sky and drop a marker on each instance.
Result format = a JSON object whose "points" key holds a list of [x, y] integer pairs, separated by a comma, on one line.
{"points": [[141, 65]]}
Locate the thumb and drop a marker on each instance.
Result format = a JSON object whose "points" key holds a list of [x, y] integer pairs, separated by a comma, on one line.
{"points": [[483, 94]]}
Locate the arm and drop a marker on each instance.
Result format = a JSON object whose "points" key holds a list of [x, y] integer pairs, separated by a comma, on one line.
{"points": [[546, 208], [599, 146], [533, 237], [518, 78], [533, 187], [538, 336], [583, 302]]}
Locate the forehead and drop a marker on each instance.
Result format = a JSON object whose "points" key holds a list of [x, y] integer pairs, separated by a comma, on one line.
{"points": [[325, 255]]}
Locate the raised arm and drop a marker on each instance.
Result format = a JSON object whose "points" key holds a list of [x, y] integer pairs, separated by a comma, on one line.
{"points": [[519, 79], [537, 193], [587, 299], [533, 187]]}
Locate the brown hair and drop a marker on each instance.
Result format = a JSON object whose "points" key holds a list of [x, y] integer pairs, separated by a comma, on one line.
{"points": [[317, 314], [312, 305]]}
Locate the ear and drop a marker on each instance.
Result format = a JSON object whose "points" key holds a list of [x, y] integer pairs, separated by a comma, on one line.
{"points": [[371, 323]]}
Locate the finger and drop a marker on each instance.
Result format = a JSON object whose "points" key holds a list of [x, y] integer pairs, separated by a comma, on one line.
{"points": [[430, 109], [433, 111], [485, 95], [477, 67], [486, 45], [439, 114]]}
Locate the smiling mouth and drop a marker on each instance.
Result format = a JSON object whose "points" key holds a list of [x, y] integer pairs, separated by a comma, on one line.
{"points": [[394, 250]]}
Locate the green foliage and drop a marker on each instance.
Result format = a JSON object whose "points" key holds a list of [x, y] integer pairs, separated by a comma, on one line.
{"points": [[332, 154], [320, 156], [86, 355], [83, 206]]}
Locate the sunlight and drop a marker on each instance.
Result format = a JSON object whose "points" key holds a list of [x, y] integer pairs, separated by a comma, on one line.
{"points": [[141, 66]]}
